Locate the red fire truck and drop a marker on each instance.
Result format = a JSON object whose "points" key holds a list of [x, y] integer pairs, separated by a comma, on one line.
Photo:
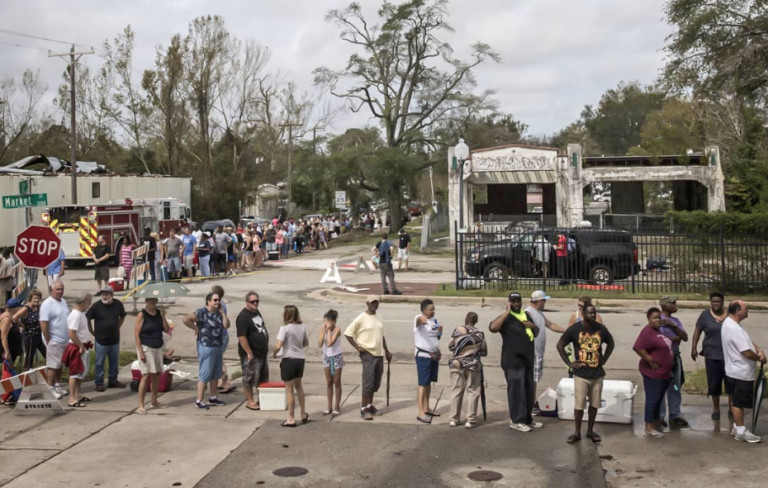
{"points": [[78, 226]]}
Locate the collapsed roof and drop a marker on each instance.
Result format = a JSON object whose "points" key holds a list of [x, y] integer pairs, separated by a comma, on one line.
{"points": [[40, 164]]}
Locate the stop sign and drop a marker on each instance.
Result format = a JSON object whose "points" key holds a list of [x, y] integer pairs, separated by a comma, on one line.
{"points": [[37, 246]]}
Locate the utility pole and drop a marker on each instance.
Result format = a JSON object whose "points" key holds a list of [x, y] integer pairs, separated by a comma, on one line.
{"points": [[73, 58]]}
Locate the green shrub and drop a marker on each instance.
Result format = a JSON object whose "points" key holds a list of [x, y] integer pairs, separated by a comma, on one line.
{"points": [[731, 223]]}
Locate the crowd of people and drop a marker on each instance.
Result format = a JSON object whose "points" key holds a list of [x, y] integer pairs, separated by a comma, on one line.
{"points": [[63, 337]]}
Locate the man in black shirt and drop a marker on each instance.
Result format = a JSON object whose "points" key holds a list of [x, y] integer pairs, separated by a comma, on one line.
{"points": [[587, 338], [517, 354], [253, 344], [101, 257], [148, 239], [104, 320], [404, 246]]}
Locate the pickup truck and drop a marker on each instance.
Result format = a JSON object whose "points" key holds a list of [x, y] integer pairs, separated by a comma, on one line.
{"points": [[598, 256]]}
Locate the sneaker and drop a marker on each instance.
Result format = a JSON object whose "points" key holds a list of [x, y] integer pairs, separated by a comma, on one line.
{"points": [[397, 292], [663, 423], [101, 388], [520, 427], [214, 401], [679, 421], [535, 425], [386, 292], [535, 412], [62, 389], [117, 384], [748, 436], [366, 414], [733, 430], [56, 391], [201, 405], [468, 424], [374, 411], [452, 423], [653, 433]]}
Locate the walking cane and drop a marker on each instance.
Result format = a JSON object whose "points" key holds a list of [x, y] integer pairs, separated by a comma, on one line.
{"points": [[434, 409], [387, 384], [482, 391]]}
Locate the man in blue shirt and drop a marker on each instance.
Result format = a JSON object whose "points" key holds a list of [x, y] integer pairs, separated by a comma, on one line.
{"points": [[384, 251], [190, 243], [55, 270]]}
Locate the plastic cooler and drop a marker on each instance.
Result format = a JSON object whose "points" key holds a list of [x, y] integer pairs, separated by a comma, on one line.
{"points": [[272, 396], [116, 284], [548, 403], [166, 379], [616, 406]]}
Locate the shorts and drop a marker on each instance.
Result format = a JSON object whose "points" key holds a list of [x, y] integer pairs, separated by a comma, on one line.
{"points": [[582, 388], [402, 254], [255, 371], [538, 367], [338, 361], [174, 264], [209, 359], [741, 391], [101, 273], [189, 261], [291, 368], [231, 258], [715, 376], [271, 246], [154, 360], [53, 355], [427, 370], [373, 369], [51, 279], [224, 342]]}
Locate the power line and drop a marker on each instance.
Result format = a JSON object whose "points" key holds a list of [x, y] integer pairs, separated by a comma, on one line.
{"points": [[22, 45], [30, 36]]}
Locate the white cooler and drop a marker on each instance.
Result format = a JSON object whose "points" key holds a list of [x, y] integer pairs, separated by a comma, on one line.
{"points": [[272, 396], [617, 401]]}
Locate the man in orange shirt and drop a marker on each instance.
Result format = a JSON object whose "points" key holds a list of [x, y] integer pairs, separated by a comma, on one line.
{"points": [[561, 253]]}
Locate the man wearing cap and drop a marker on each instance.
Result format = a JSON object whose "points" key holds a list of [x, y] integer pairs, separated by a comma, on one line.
{"points": [[366, 335], [190, 243], [105, 317], [518, 332], [536, 311], [673, 329], [53, 323], [587, 338], [403, 245]]}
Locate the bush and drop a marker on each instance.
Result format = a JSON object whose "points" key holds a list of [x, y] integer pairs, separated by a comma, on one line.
{"points": [[731, 223]]}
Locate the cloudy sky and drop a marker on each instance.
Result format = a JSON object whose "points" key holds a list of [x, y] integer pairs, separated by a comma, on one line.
{"points": [[556, 55]]}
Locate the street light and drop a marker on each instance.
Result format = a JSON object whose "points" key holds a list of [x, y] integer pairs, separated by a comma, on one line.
{"points": [[461, 153]]}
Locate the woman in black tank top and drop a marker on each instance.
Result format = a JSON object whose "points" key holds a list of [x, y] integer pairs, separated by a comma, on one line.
{"points": [[148, 334]]}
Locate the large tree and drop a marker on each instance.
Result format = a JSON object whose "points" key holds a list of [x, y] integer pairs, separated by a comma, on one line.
{"points": [[405, 76]]}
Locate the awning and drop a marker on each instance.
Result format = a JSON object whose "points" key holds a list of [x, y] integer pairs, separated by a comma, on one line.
{"points": [[513, 177]]}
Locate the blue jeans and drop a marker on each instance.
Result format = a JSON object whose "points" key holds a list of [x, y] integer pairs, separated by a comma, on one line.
{"points": [[103, 352], [675, 400], [205, 265], [654, 396]]}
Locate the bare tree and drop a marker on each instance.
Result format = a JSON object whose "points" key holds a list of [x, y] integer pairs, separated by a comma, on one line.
{"points": [[18, 107]]}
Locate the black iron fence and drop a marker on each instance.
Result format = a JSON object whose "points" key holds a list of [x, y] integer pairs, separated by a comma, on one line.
{"points": [[610, 260]]}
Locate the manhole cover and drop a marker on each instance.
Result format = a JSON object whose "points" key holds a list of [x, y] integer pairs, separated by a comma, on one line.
{"points": [[484, 476], [290, 471]]}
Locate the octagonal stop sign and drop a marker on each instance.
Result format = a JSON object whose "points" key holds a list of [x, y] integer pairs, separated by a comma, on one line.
{"points": [[37, 246]]}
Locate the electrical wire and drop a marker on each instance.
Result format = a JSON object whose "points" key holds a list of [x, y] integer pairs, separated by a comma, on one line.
{"points": [[22, 45], [30, 36]]}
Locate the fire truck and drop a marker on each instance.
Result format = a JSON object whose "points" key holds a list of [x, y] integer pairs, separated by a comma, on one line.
{"points": [[79, 226]]}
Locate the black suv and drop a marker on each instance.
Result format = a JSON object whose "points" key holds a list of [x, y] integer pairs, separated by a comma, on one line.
{"points": [[598, 256]]}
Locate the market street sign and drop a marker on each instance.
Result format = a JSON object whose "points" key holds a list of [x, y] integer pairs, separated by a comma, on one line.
{"points": [[21, 201]]}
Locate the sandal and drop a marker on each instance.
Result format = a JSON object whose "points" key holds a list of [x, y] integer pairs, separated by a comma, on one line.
{"points": [[175, 358], [256, 408], [595, 437], [305, 418], [573, 439], [286, 424], [228, 390], [76, 405], [84, 399], [326, 412], [334, 413], [433, 413], [425, 420]]}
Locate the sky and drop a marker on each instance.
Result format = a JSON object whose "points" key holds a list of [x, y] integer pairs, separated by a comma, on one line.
{"points": [[556, 55]]}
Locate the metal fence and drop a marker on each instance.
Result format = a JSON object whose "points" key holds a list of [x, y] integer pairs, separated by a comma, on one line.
{"points": [[611, 261]]}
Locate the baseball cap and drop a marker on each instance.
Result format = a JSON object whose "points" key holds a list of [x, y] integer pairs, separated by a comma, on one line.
{"points": [[371, 299], [667, 300], [515, 296], [539, 295], [13, 303], [106, 289]]}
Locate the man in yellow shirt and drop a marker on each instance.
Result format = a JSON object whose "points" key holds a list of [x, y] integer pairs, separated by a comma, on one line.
{"points": [[366, 334]]}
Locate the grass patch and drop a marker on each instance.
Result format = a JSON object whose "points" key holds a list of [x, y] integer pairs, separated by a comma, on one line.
{"points": [[125, 358], [696, 382]]}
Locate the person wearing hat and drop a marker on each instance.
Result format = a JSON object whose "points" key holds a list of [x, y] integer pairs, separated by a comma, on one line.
{"points": [[105, 317], [587, 339], [148, 336], [100, 259], [536, 311], [403, 246], [673, 329], [11, 346], [76, 356], [366, 335], [518, 332]]}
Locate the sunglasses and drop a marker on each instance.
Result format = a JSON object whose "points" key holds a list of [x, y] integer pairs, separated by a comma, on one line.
{"points": [[215, 300], [253, 301]]}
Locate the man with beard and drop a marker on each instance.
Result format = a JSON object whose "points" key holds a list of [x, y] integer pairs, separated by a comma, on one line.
{"points": [[253, 346]]}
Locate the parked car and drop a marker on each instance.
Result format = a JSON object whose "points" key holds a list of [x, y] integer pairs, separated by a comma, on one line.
{"points": [[414, 209], [211, 225], [601, 255]]}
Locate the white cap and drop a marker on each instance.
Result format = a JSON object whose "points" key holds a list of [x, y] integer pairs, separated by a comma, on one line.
{"points": [[539, 295]]}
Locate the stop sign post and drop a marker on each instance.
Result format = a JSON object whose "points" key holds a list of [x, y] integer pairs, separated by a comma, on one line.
{"points": [[37, 246]]}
